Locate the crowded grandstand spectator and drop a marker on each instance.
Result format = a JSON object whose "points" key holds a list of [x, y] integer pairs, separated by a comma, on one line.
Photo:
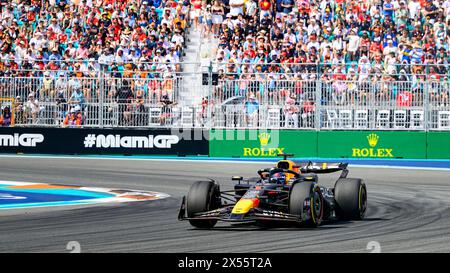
{"points": [[291, 112], [166, 117], [33, 108], [56, 50], [73, 118], [124, 97], [58, 35], [349, 39], [19, 113], [77, 98], [251, 111], [5, 117]]}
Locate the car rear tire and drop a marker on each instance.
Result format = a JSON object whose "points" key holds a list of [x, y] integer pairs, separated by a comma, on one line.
{"points": [[350, 195], [302, 192], [203, 196]]}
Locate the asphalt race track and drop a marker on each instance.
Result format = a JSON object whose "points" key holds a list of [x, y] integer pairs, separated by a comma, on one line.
{"points": [[408, 211]]}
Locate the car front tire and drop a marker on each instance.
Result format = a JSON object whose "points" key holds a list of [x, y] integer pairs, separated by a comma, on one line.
{"points": [[203, 196]]}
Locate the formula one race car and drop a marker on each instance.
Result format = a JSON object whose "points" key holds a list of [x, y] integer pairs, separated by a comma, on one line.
{"points": [[286, 193]]}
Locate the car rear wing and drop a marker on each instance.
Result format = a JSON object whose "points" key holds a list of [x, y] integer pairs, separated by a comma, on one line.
{"points": [[323, 167]]}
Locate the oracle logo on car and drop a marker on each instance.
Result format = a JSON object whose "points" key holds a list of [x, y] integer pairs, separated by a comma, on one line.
{"points": [[117, 141], [24, 140]]}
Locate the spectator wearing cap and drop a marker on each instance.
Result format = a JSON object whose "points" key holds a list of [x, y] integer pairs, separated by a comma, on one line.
{"points": [[364, 69], [287, 6], [77, 98], [167, 17], [55, 55], [338, 44], [440, 31], [54, 26], [33, 107], [73, 118], [405, 53], [19, 111], [390, 48], [47, 86], [417, 54], [375, 47]]}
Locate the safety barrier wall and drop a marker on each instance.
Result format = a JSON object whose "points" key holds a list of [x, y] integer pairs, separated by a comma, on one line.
{"points": [[438, 145], [367, 144], [227, 143], [330, 144], [176, 142]]}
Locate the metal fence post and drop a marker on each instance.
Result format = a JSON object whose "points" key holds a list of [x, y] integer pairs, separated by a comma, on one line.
{"points": [[102, 93], [209, 117], [318, 103], [426, 106]]}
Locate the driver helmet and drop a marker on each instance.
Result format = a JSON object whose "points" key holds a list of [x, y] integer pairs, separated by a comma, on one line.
{"points": [[279, 178]]}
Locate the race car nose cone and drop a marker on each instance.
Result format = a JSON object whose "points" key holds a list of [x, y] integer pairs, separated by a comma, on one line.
{"points": [[244, 206]]}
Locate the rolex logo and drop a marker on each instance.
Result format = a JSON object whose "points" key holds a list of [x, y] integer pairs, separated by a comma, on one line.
{"points": [[264, 138], [380, 152], [373, 140]]}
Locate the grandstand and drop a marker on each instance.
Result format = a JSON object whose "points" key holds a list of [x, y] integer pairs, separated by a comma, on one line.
{"points": [[345, 64]]}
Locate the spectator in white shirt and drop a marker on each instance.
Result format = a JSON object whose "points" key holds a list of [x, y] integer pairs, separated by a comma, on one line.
{"points": [[236, 7], [33, 107], [119, 58], [389, 48], [353, 45], [55, 26], [414, 8]]}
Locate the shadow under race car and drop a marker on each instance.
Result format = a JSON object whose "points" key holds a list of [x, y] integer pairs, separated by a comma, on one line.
{"points": [[286, 193]]}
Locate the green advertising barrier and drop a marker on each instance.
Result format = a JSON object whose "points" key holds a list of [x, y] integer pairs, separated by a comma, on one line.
{"points": [[262, 143], [372, 144], [330, 144], [438, 145]]}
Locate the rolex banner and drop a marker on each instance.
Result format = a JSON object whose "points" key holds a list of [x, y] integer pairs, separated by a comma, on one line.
{"points": [[262, 143], [372, 144], [322, 144]]}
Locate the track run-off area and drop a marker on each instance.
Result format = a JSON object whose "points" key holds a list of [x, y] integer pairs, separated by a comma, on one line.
{"points": [[408, 210]]}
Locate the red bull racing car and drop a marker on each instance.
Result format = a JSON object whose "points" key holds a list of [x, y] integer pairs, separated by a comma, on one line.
{"points": [[288, 192]]}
